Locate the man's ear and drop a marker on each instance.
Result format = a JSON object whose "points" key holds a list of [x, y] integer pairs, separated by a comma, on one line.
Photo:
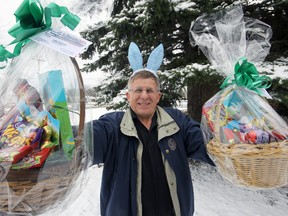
{"points": [[127, 95], [159, 98]]}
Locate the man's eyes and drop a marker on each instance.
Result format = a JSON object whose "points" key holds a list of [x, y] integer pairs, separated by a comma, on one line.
{"points": [[148, 91]]}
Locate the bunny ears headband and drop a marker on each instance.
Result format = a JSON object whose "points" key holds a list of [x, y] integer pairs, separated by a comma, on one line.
{"points": [[136, 60]]}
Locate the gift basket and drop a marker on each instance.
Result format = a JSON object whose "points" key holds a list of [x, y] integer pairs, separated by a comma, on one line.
{"points": [[245, 137], [42, 149]]}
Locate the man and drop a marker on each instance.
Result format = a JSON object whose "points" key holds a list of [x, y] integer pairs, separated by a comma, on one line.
{"points": [[145, 150]]}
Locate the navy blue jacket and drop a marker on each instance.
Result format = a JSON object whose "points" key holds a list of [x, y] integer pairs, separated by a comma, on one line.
{"points": [[117, 146]]}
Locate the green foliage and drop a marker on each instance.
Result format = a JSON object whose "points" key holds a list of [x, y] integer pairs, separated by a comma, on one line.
{"points": [[274, 13], [147, 23], [278, 91], [172, 87], [176, 82], [106, 93]]}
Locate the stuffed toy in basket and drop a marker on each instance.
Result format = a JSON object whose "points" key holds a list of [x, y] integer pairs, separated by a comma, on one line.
{"points": [[42, 153], [246, 138]]}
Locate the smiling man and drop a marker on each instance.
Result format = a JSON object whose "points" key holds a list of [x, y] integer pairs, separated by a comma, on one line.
{"points": [[143, 95], [145, 150]]}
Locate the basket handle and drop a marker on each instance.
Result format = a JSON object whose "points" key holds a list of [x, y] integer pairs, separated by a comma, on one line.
{"points": [[79, 137]]}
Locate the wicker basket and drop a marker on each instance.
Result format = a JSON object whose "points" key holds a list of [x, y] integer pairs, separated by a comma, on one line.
{"points": [[33, 191], [255, 166]]}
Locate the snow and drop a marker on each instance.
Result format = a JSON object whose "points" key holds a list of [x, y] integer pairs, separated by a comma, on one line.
{"points": [[214, 196], [183, 5], [92, 79]]}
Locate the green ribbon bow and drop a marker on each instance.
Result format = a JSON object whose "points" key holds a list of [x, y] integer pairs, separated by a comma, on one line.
{"points": [[246, 75], [31, 19]]}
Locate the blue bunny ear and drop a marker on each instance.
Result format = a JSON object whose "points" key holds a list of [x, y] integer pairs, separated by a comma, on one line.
{"points": [[155, 59], [135, 57]]}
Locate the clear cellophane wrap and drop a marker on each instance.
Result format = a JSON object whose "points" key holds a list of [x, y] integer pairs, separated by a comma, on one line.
{"points": [[43, 153], [245, 136]]}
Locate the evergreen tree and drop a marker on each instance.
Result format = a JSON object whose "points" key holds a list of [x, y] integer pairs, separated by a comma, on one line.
{"points": [[151, 22], [274, 13], [147, 23]]}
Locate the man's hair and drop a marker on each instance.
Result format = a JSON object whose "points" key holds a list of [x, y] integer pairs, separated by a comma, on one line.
{"points": [[143, 74]]}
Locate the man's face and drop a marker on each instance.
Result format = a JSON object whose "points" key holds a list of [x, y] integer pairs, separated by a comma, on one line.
{"points": [[143, 97]]}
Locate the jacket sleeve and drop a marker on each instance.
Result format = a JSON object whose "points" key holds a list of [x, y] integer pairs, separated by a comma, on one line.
{"points": [[99, 141], [102, 137], [196, 149], [193, 138]]}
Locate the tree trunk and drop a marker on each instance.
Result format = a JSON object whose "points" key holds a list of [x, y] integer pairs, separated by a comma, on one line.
{"points": [[198, 94]]}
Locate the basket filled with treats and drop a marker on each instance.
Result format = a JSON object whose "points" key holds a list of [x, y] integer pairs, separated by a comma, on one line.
{"points": [[42, 115], [245, 136], [247, 139]]}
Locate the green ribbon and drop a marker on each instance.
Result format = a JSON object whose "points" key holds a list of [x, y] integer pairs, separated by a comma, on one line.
{"points": [[246, 75], [31, 19]]}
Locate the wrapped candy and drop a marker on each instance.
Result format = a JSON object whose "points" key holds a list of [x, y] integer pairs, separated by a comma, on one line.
{"points": [[245, 137], [43, 154]]}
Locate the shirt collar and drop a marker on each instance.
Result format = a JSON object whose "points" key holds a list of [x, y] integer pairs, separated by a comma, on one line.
{"points": [[135, 118]]}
